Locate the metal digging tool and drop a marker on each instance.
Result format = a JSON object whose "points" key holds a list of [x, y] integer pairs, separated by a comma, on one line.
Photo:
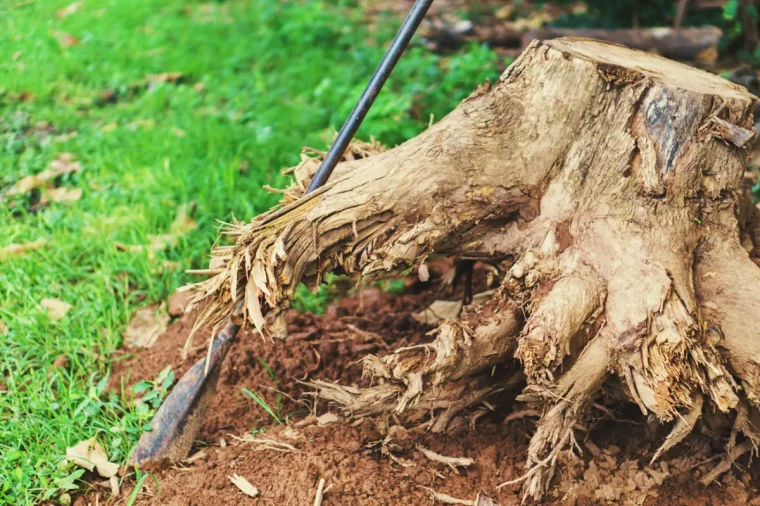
{"points": [[179, 419]]}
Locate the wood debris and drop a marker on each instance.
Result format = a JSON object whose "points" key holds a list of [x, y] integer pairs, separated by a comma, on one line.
{"points": [[452, 462], [244, 485]]}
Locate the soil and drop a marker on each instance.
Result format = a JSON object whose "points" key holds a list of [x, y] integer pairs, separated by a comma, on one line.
{"points": [[613, 467]]}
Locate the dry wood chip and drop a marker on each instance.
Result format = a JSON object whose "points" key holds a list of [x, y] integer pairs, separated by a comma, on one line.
{"points": [[91, 456], [484, 500], [244, 485]]}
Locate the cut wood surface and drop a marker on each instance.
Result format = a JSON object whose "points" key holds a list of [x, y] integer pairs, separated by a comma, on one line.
{"points": [[688, 44], [606, 182]]}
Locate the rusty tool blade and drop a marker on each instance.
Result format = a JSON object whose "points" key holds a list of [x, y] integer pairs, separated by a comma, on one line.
{"points": [[179, 419]]}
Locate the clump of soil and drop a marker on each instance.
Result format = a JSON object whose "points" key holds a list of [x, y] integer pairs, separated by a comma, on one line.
{"points": [[350, 454]]}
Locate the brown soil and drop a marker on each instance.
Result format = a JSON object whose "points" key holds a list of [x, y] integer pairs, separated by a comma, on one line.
{"points": [[612, 469]]}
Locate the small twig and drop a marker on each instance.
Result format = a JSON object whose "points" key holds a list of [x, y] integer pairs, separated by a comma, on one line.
{"points": [[452, 462], [727, 461], [445, 498], [320, 492], [265, 443]]}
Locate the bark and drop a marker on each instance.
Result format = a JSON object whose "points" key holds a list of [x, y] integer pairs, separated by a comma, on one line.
{"points": [[612, 179]]}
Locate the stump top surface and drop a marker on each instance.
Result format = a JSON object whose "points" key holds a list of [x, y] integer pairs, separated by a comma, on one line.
{"points": [[667, 72]]}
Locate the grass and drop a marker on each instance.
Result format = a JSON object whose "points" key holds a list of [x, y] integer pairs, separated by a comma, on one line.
{"points": [[259, 79]]}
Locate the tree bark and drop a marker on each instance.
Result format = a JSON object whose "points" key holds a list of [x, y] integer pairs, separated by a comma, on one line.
{"points": [[611, 177]]}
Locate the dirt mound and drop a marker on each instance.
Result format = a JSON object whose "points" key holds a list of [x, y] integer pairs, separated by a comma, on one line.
{"points": [[351, 456]]}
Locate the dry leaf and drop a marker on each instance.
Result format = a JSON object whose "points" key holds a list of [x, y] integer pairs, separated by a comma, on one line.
{"points": [[110, 127], [65, 39], [146, 326], [327, 419], [178, 302], [3, 328], [183, 222], [64, 164], [165, 77], [64, 195], [90, 455], [20, 249], [56, 309], [244, 485], [68, 10]]}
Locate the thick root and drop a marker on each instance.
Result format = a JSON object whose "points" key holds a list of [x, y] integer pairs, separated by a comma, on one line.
{"points": [[478, 341]]}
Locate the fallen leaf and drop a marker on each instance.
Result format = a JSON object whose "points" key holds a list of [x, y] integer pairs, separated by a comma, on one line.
{"points": [[68, 10], [64, 164], [183, 221], [178, 132], [65, 39], [165, 77], [61, 362], [178, 302], [327, 419], [3, 328], [110, 127], [19, 249], [56, 308], [146, 326], [91, 456], [64, 195], [147, 124], [244, 485]]}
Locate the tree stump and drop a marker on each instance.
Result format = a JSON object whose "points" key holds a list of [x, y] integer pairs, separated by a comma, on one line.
{"points": [[611, 178]]}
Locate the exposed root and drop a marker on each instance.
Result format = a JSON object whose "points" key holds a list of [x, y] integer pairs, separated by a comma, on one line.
{"points": [[574, 390], [479, 340], [682, 428], [727, 462], [452, 462]]}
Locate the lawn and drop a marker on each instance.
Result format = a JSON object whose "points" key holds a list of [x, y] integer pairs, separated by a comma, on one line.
{"points": [[167, 106]]}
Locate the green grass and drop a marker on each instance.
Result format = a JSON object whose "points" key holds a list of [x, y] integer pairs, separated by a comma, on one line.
{"points": [[260, 79]]}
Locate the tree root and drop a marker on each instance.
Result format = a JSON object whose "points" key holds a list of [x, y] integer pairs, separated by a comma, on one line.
{"points": [[625, 222]]}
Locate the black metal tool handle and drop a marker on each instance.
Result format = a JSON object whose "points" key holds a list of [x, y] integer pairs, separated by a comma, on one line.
{"points": [[392, 56]]}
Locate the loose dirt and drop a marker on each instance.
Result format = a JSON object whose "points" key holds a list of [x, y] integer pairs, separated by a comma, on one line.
{"points": [[358, 469]]}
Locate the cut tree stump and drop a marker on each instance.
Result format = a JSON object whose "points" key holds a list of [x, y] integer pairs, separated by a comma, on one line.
{"points": [[610, 179]]}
